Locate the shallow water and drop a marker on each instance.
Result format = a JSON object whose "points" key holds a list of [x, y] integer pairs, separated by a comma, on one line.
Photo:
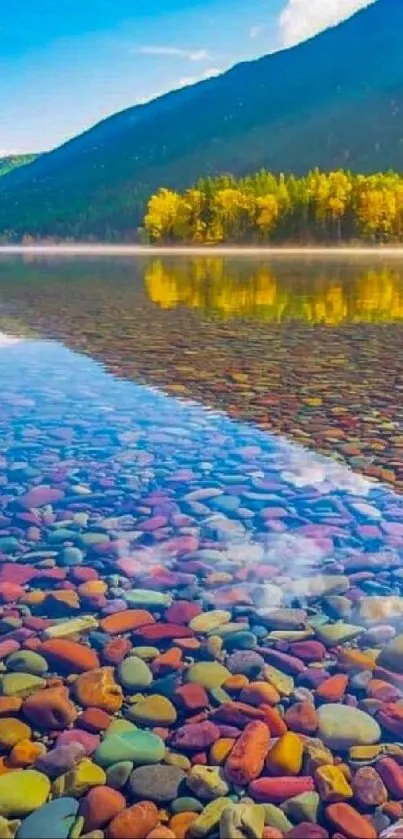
{"points": [[166, 561]]}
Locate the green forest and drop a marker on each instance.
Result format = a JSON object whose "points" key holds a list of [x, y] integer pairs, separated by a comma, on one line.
{"points": [[323, 207]]}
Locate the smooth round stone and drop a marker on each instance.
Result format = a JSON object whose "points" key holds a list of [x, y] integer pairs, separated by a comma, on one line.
{"points": [[53, 820], [140, 747], [27, 661], [144, 597], [186, 804], [341, 727], [145, 653], [118, 774], [333, 634], [153, 710], [156, 783], [208, 674], [241, 641], [22, 792], [70, 557], [134, 674], [245, 662], [20, 684]]}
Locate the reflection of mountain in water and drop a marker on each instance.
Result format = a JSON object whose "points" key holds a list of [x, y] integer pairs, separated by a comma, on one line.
{"points": [[227, 289]]}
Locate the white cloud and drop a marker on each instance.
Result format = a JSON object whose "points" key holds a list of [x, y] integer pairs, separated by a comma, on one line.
{"points": [[174, 52], [303, 18]]}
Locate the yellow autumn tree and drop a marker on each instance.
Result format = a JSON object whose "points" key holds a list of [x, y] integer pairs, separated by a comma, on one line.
{"points": [[163, 214]]}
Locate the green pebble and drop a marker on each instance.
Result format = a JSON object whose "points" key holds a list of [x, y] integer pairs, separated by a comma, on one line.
{"points": [[134, 674], [186, 804], [120, 726], [240, 641], [147, 597], [27, 661], [219, 695], [303, 807], [337, 633], [208, 674], [119, 773], [20, 684], [140, 747], [145, 653], [209, 819], [77, 828], [274, 817]]}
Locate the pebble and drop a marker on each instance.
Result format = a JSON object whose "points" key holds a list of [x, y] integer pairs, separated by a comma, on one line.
{"points": [[53, 820], [341, 727], [159, 783], [140, 747], [22, 792]]}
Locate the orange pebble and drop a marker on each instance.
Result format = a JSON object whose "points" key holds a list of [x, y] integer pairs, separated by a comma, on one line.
{"points": [[170, 660], [257, 692], [188, 643], [92, 588], [333, 689], [220, 750], [33, 598], [355, 659], [180, 824], [234, 684], [161, 832], [393, 809], [25, 753], [9, 705], [274, 721], [272, 833]]}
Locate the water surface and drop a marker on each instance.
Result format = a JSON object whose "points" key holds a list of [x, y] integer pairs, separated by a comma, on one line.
{"points": [[311, 349]]}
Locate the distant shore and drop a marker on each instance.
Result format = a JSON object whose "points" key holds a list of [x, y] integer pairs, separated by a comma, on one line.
{"points": [[90, 249]]}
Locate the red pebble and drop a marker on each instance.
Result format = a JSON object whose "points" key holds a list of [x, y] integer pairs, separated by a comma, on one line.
{"points": [[115, 650], [277, 790], [10, 592], [100, 806], [352, 823], [163, 631], [191, 697], [182, 611], [83, 574], [11, 572], [94, 720], [308, 650], [392, 775]]}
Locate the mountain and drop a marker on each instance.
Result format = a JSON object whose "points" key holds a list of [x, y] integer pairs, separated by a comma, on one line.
{"points": [[13, 161], [335, 100]]}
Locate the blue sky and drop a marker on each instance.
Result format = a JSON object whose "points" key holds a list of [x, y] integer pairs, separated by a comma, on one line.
{"points": [[66, 64]]}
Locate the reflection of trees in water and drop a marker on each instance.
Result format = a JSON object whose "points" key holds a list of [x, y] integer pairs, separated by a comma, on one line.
{"points": [[315, 294]]}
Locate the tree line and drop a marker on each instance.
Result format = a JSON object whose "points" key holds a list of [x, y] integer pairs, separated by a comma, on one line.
{"points": [[325, 207]]}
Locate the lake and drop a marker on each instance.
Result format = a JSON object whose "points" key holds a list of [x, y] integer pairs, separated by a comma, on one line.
{"points": [[200, 435]]}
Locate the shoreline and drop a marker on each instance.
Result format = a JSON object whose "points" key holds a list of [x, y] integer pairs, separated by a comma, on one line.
{"points": [[201, 250]]}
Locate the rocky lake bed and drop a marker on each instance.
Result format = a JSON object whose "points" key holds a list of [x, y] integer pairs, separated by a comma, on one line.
{"points": [[200, 620]]}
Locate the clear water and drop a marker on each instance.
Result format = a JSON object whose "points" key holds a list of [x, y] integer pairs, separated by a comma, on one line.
{"points": [[161, 475]]}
